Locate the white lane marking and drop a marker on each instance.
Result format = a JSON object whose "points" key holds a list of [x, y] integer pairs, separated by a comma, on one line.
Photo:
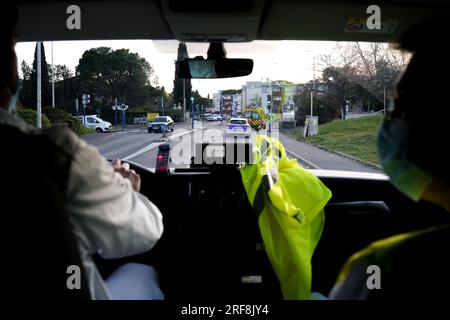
{"points": [[126, 131], [303, 159], [155, 145], [145, 149]]}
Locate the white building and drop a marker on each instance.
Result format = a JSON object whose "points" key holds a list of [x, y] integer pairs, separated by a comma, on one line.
{"points": [[230, 102], [256, 93], [237, 102], [216, 101], [251, 93]]}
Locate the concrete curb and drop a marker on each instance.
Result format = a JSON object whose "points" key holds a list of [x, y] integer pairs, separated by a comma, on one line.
{"points": [[366, 163]]}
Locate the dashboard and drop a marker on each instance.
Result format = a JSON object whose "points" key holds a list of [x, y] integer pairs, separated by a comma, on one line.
{"points": [[211, 247]]}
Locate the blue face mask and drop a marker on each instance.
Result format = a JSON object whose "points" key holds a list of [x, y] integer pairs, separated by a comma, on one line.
{"points": [[392, 143]]}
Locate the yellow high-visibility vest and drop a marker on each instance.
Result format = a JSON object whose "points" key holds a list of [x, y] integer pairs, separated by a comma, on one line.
{"points": [[289, 201]]}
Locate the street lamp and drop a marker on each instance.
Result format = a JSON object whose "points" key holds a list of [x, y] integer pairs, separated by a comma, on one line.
{"points": [[123, 107], [313, 87], [192, 111], [115, 108], [269, 108]]}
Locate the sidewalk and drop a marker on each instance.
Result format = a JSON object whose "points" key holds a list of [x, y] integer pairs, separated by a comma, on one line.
{"points": [[320, 158]]}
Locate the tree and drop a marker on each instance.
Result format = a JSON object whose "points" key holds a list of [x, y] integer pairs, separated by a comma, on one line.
{"points": [[26, 70], [108, 74], [29, 82], [364, 72], [46, 95], [201, 101], [326, 106], [26, 92], [61, 72], [179, 84]]}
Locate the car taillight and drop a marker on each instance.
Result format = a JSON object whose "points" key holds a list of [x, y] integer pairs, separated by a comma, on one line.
{"points": [[247, 126]]}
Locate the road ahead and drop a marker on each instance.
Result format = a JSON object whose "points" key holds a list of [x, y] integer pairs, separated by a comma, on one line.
{"points": [[139, 146]]}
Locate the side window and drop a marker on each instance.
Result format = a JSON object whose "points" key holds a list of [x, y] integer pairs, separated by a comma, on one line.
{"points": [[90, 120]]}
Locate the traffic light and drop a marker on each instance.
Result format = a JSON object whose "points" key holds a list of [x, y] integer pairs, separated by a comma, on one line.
{"points": [[269, 101], [86, 99]]}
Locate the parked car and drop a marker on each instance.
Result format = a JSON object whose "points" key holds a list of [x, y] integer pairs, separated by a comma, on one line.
{"points": [[96, 123], [213, 117], [157, 124], [238, 127]]}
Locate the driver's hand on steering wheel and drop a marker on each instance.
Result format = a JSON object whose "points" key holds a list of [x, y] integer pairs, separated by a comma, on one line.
{"points": [[124, 170]]}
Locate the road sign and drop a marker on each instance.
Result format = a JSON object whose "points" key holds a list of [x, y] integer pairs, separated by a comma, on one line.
{"points": [[122, 107]]}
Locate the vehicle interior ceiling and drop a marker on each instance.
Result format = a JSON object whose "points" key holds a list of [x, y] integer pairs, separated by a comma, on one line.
{"points": [[211, 237]]}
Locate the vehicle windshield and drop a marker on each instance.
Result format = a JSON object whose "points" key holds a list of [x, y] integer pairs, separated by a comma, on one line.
{"points": [[238, 122], [324, 100]]}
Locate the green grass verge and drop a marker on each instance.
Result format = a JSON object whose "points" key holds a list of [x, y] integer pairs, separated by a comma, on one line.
{"points": [[355, 137]]}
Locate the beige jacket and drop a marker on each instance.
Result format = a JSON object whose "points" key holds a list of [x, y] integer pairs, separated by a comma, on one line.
{"points": [[108, 217]]}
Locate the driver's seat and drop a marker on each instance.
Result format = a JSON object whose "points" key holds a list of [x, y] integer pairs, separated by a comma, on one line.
{"points": [[38, 244]]}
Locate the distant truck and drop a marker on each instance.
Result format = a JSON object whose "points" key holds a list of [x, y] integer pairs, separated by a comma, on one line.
{"points": [[255, 117], [152, 115], [96, 123]]}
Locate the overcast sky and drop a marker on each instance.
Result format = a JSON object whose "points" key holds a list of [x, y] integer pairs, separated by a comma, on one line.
{"points": [[274, 60]]}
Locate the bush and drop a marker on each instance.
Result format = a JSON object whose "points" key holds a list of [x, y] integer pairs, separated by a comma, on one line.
{"points": [[56, 114], [53, 117], [74, 124], [63, 118], [30, 117], [84, 131]]}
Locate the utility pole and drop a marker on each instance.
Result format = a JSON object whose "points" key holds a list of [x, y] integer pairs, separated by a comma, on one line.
{"points": [[115, 115], [221, 107], [85, 99], [184, 99], [38, 86], [313, 85], [162, 105], [53, 80], [192, 111], [123, 107], [115, 108], [269, 108], [76, 106]]}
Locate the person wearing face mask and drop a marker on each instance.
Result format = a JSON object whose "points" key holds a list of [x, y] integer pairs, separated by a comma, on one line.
{"points": [[413, 148]]}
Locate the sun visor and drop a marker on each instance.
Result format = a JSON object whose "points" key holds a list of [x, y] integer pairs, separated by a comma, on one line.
{"points": [[214, 21]]}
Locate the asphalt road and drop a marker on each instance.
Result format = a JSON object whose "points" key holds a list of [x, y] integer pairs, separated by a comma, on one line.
{"points": [[139, 146]]}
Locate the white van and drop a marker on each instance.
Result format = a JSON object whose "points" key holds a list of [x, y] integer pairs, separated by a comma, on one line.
{"points": [[94, 122]]}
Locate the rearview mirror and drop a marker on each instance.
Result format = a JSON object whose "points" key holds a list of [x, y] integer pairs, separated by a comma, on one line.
{"points": [[199, 68]]}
